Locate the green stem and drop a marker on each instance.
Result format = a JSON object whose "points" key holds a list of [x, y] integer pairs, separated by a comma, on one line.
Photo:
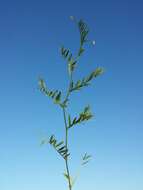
{"points": [[66, 144], [66, 127], [66, 135]]}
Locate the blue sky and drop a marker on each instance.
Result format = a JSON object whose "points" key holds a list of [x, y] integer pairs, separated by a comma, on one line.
{"points": [[31, 33]]}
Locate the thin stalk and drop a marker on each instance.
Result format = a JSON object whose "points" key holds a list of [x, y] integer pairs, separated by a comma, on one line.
{"points": [[66, 144], [66, 135]]}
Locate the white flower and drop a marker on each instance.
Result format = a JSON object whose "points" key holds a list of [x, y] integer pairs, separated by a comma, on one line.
{"points": [[93, 42]]}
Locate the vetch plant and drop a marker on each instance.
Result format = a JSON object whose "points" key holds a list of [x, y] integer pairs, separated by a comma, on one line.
{"points": [[62, 147]]}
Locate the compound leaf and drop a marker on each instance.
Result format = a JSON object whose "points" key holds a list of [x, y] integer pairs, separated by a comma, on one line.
{"points": [[54, 94], [59, 147], [83, 116]]}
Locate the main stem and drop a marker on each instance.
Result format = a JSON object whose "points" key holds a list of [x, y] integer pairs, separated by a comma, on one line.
{"points": [[66, 144], [66, 137], [66, 127]]}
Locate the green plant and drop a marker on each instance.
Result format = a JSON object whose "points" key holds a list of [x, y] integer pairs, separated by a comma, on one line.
{"points": [[56, 95]]}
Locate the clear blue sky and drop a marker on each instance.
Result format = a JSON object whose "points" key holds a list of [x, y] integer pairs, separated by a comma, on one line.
{"points": [[31, 33]]}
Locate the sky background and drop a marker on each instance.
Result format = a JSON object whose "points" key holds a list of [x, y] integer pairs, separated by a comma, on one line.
{"points": [[31, 33]]}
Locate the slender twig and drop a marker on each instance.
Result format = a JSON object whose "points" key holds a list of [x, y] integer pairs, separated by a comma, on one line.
{"points": [[66, 144], [66, 135]]}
